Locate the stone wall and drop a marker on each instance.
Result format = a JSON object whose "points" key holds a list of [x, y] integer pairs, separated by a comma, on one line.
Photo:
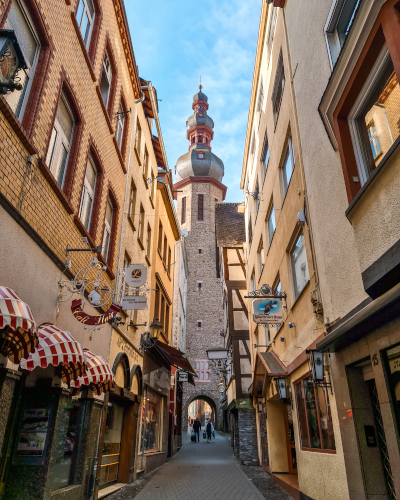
{"points": [[247, 444], [204, 304]]}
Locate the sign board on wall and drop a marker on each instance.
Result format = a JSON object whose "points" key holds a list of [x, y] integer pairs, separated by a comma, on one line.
{"points": [[267, 311], [182, 377], [136, 275], [135, 302]]}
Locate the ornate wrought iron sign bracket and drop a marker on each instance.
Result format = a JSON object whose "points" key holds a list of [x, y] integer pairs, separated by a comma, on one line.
{"points": [[266, 292]]}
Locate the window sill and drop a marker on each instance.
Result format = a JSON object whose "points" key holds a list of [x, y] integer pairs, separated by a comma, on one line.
{"points": [[84, 231], [147, 260], [140, 243], [145, 181], [56, 188], [300, 294], [137, 157], [318, 450], [131, 221], [121, 160], [16, 126], [82, 44], [103, 107], [372, 177], [109, 270]]}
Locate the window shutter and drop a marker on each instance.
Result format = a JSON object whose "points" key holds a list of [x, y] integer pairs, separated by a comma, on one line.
{"points": [[183, 216], [200, 207]]}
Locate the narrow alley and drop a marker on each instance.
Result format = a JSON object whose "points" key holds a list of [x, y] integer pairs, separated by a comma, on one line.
{"points": [[204, 467]]}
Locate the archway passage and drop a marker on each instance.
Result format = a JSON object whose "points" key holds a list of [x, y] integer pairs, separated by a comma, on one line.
{"points": [[202, 407]]}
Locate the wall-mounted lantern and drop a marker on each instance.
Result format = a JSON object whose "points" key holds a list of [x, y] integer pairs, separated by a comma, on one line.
{"points": [[280, 385], [317, 367], [260, 405], [11, 61]]}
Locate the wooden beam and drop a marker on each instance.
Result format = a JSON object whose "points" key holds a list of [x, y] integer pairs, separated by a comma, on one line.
{"points": [[242, 304], [241, 262]]}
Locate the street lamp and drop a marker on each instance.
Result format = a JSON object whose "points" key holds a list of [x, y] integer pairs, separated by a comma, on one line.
{"points": [[280, 385], [149, 339], [215, 353], [11, 60]]}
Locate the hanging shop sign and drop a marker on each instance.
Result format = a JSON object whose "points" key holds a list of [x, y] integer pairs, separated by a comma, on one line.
{"points": [[267, 311], [135, 302], [182, 377], [83, 317], [136, 275]]}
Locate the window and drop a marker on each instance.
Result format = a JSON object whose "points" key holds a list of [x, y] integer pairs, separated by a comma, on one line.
{"points": [[298, 258], [183, 213], [19, 20], [127, 261], [261, 257], [152, 419], [138, 138], [250, 231], [200, 250], [200, 139], [253, 282], [260, 101], [193, 139], [338, 26], [132, 202], [375, 116], [314, 416], [60, 141], [107, 230], [141, 223], [200, 207], [287, 167], [148, 245], [89, 188], [201, 114], [119, 133], [279, 86], [199, 285], [169, 261], [166, 331], [200, 156], [85, 17], [145, 162], [199, 324], [257, 197], [202, 370], [265, 155], [253, 144], [271, 224], [160, 236], [106, 79], [271, 31], [165, 249]]}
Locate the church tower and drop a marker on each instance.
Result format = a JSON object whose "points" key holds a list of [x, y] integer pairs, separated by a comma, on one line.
{"points": [[199, 173]]}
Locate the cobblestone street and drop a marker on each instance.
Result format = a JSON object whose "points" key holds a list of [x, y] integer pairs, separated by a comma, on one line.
{"points": [[207, 468]]}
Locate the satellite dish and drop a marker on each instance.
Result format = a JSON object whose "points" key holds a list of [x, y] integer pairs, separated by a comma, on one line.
{"points": [[184, 233]]}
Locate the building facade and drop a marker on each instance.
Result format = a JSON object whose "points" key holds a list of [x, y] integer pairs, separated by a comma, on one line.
{"points": [[198, 188]]}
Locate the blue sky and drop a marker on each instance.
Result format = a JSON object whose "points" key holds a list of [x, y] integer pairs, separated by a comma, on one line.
{"points": [[176, 40]]}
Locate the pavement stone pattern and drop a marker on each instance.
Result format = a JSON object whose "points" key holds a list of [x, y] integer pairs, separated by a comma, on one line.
{"points": [[204, 465]]}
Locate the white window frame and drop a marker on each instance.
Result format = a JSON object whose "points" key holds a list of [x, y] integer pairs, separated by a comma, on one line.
{"points": [[296, 292], [364, 95], [260, 101], [58, 141], [88, 192], [109, 75], [108, 229], [332, 38], [286, 182], [271, 32], [86, 11], [119, 133], [269, 232], [32, 68]]}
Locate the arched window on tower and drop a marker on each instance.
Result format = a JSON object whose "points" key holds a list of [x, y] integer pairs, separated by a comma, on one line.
{"points": [[193, 139], [206, 140], [200, 138]]}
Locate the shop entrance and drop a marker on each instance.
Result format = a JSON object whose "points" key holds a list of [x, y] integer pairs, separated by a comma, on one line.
{"points": [[290, 443], [112, 445]]}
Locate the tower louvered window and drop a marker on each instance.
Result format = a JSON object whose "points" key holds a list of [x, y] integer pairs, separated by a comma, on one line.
{"points": [[183, 216], [200, 207]]}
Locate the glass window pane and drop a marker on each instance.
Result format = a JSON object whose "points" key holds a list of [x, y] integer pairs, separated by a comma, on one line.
{"points": [[50, 152], [325, 418], [89, 4], [153, 422], [302, 415], [64, 119], [109, 212], [311, 409], [106, 240], [197, 365], [300, 267], [91, 175], [79, 12], [85, 208], [62, 163], [201, 375], [202, 365], [25, 36], [207, 376], [85, 28]]}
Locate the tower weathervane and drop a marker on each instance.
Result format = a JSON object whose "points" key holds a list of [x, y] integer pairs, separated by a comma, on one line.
{"points": [[200, 86]]}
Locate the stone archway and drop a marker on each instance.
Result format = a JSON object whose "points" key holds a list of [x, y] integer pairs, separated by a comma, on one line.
{"points": [[210, 397]]}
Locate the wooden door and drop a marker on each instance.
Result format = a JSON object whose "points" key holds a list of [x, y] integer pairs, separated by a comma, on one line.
{"points": [[290, 442], [263, 441]]}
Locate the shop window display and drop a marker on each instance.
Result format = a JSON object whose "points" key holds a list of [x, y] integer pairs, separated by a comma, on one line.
{"points": [[152, 412], [112, 445], [66, 457], [314, 416]]}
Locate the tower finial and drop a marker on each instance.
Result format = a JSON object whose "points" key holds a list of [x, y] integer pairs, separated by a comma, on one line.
{"points": [[200, 86]]}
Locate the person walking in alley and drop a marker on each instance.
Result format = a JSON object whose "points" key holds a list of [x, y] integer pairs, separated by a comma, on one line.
{"points": [[209, 430], [197, 429]]}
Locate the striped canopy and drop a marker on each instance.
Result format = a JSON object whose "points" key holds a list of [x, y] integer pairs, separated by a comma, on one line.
{"points": [[17, 326], [98, 376], [58, 348]]}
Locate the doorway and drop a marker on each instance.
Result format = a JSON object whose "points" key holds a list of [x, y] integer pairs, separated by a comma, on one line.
{"points": [[262, 421], [290, 442], [110, 458]]}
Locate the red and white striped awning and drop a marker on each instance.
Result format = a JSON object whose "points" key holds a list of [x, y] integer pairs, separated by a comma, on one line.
{"points": [[18, 337], [98, 376], [58, 348]]}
